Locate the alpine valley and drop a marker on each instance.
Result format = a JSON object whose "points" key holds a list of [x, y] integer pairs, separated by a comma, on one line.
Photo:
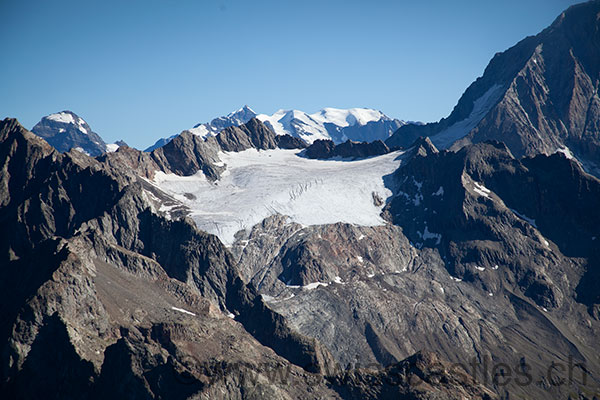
{"points": [[339, 255]]}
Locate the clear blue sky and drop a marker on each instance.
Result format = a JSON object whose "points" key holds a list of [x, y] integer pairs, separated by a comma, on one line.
{"points": [[140, 70]]}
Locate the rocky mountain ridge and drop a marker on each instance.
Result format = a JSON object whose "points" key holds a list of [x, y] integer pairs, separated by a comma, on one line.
{"points": [[468, 259], [236, 118], [188, 154], [538, 97], [322, 149]]}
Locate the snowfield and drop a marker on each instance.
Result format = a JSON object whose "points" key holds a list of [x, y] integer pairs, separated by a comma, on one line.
{"points": [[258, 184]]}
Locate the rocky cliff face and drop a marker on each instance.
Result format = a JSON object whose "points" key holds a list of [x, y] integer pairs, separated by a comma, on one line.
{"points": [[538, 97], [482, 190]]}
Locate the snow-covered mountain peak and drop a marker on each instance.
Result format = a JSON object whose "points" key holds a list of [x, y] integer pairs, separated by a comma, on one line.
{"points": [[66, 130], [235, 118], [240, 112], [69, 117], [339, 125]]}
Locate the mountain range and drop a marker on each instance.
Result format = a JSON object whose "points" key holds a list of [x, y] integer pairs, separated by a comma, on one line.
{"points": [[338, 125], [275, 257]]}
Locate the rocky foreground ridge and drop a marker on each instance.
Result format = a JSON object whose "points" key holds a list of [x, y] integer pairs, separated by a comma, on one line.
{"points": [[104, 297], [139, 303]]}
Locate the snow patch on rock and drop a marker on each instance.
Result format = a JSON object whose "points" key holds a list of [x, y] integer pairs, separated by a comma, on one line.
{"points": [[111, 147], [481, 107], [63, 117], [181, 310], [481, 190]]}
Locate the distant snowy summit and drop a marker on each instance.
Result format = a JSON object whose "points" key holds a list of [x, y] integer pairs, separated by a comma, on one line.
{"points": [[339, 125], [65, 130], [236, 118]]}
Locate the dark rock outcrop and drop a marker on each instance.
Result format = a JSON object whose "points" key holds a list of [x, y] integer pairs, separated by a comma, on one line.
{"points": [[360, 150], [423, 147], [290, 142], [187, 154], [322, 149], [253, 134]]}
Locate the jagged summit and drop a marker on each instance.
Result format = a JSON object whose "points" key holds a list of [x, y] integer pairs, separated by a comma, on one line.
{"points": [[235, 118], [212, 128], [242, 113]]}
